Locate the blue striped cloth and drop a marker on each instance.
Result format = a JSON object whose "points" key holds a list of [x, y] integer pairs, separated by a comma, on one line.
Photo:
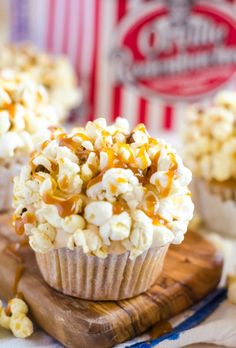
{"points": [[199, 312]]}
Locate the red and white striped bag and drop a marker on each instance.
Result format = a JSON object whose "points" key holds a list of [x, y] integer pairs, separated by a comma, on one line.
{"points": [[142, 59]]}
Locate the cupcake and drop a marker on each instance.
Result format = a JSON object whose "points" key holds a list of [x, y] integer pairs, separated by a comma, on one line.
{"points": [[101, 206], [56, 74], [209, 150], [24, 118]]}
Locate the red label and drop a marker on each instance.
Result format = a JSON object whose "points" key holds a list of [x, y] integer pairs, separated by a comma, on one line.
{"points": [[180, 51]]}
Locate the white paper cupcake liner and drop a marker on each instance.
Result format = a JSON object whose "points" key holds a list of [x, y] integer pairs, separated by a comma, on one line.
{"points": [[7, 174], [89, 277], [216, 205]]}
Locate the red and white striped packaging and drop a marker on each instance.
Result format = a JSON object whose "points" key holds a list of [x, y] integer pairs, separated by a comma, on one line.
{"points": [[142, 59]]}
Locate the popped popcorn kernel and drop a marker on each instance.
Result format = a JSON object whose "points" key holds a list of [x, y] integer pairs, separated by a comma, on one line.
{"points": [[54, 73], [14, 318], [103, 188], [209, 138]]}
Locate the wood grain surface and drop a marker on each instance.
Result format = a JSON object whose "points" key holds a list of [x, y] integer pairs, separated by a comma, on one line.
{"points": [[191, 271]]}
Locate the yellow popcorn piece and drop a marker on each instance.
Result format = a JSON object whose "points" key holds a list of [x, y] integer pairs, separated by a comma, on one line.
{"points": [[14, 318]]}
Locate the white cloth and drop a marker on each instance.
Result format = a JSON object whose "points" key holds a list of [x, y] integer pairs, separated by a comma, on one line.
{"points": [[219, 329], [39, 339]]}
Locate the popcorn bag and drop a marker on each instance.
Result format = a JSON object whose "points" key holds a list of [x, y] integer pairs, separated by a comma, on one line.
{"points": [[140, 59]]}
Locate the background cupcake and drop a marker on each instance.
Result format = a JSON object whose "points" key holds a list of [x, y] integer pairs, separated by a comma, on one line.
{"points": [[56, 74], [101, 206], [25, 116], [209, 149]]}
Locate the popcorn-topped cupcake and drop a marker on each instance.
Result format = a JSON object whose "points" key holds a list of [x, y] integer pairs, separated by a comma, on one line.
{"points": [[209, 138], [25, 115], [54, 73], [105, 189]]}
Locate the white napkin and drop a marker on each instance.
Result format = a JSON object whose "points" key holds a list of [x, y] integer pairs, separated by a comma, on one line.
{"points": [[39, 339], [219, 329]]}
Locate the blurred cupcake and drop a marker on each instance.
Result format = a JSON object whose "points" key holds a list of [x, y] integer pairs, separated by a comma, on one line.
{"points": [[24, 118], [56, 74], [209, 140], [101, 206]]}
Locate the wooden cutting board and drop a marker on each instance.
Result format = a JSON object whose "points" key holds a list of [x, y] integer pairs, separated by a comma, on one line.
{"points": [[191, 271]]}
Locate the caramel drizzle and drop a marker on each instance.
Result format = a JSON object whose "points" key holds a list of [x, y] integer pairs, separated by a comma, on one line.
{"points": [[14, 249], [20, 221], [171, 173], [68, 205], [71, 144], [151, 201], [160, 329], [96, 179], [10, 108], [120, 206], [19, 272], [65, 206]]}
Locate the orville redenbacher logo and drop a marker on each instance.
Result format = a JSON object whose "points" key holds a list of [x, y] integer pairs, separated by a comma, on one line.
{"points": [[178, 48]]}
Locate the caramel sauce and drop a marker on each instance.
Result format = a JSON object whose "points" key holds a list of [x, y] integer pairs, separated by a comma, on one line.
{"points": [[20, 221], [10, 108], [82, 155], [13, 248], [71, 144], [98, 178], [156, 220], [93, 168], [119, 164], [65, 206], [165, 191], [82, 136], [140, 176], [55, 167], [142, 155], [95, 180], [64, 183], [38, 177], [111, 157], [19, 272], [160, 329], [119, 207], [145, 176], [151, 201]]}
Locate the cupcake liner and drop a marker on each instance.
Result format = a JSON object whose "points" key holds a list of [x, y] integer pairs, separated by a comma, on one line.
{"points": [[89, 277], [7, 174], [216, 204]]}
